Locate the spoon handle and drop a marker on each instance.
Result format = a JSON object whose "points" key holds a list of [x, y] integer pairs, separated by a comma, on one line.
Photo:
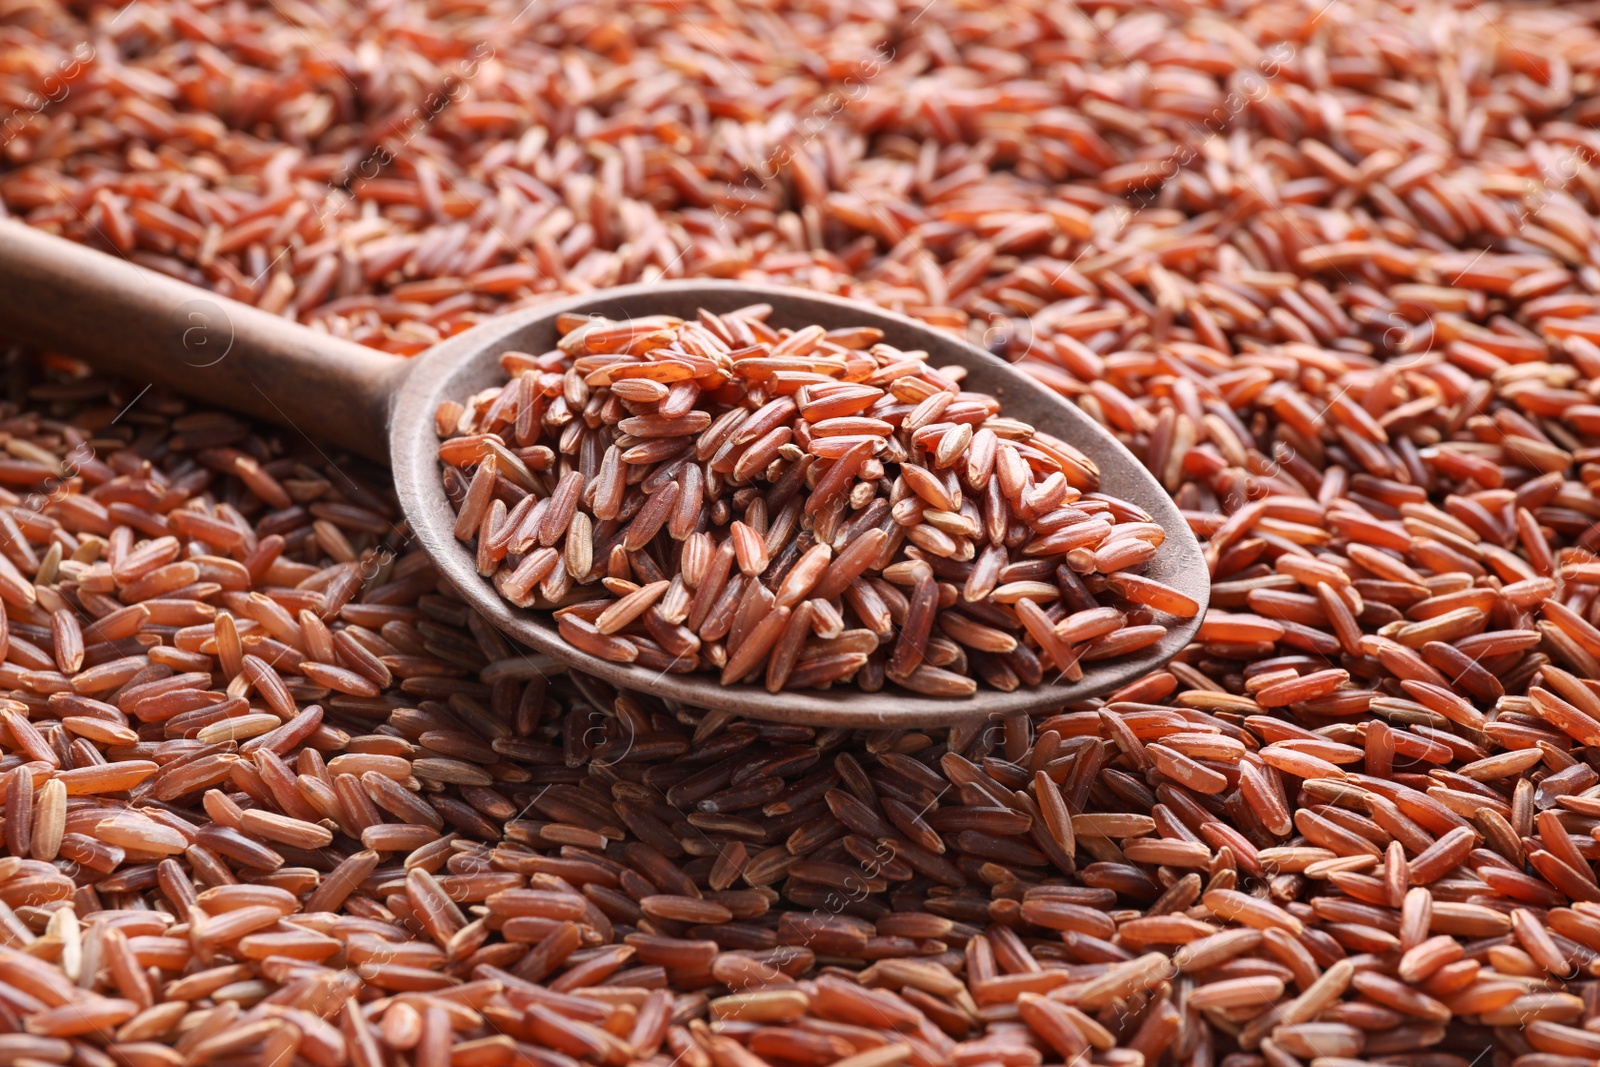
{"points": [[145, 326]]}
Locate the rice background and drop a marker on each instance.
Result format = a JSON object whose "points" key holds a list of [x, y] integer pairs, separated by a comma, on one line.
{"points": [[1328, 268]]}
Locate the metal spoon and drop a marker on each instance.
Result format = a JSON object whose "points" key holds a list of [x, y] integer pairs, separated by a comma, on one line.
{"points": [[145, 326]]}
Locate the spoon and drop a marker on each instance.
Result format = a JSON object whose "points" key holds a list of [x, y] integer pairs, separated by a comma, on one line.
{"points": [[149, 327]]}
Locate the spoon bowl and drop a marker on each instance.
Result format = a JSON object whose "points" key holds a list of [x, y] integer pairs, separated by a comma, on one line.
{"points": [[142, 325]]}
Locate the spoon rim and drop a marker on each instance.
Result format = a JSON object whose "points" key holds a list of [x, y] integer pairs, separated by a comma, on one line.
{"points": [[447, 370]]}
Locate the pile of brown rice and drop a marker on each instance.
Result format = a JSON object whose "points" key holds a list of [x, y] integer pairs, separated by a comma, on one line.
{"points": [[796, 507], [1328, 267]]}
